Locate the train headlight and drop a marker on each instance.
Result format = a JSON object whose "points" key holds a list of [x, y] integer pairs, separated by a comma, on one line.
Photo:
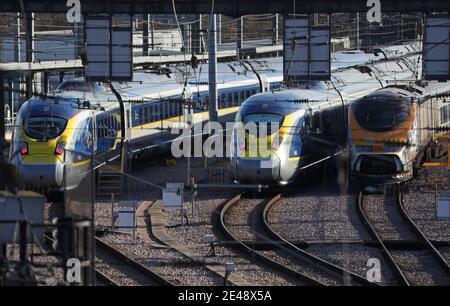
{"points": [[59, 149], [276, 143], [23, 148]]}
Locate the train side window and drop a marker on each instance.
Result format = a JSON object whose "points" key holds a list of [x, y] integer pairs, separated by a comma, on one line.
{"points": [[254, 91], [447, 107], [162, 107], [145, 114], [229, 100], [222, 101], [136, 117], [247, 94], [169, 109], [158, 111], [174, 109], [179, 109], [141, 116], [241, 97], [235, 99], [443, 115], [107, 124], [151, 115], [100, 128]]}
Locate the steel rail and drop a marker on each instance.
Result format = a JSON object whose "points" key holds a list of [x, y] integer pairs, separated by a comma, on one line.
{"points": [[235, 242], [391, 261], [303, 255], [128, 261]]}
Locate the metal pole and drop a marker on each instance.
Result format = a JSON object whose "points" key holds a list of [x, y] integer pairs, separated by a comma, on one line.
{"points": [[219, 29], [152, 32], [46, 83], [17, 39], [2, 131], [240, 32], [3, 249], [212, 62], [448, 162], [23, 228], [134, 220], [10, 98], [92, 225], [196, 35], [17, 58], [357, 30], [29, 47], [78, 36], [145, 30], [275, 30], [112, 211], [186, 38]]}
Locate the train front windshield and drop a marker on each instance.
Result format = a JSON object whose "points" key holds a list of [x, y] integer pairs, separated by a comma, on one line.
{"points": [[44, 128], [272, 121], [381, 113]]}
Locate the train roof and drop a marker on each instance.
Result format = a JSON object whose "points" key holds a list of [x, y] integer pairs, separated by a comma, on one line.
{"points": [[63, 108]]}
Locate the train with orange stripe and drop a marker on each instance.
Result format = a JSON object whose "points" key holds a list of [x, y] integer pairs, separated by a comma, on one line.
{"points": [[392, 131], [300, 127]]}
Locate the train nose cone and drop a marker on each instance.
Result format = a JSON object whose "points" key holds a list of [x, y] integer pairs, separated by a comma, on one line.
{"points": [[48, 174], [266, 170]]}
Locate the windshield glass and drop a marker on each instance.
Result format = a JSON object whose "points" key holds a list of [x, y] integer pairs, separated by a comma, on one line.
{"points": [[272, 121], [381, 113], [44, 128], [380, 116]]}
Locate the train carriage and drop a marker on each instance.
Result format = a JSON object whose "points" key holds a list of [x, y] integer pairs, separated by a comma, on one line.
{"points": [[391, 131], [312, 121]]}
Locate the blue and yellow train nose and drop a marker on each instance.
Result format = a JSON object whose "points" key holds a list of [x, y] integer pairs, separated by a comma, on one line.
{"points": [[41, 164], [256, 159]]}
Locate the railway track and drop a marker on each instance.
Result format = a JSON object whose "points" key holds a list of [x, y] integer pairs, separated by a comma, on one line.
{"points": [[411, 255], [244, 224], [345, 276], [115, 268], [102, 279]]}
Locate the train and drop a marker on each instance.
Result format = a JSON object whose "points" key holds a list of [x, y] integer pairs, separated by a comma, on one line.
{"points": [[312, 121], [58, 138], [392, 131], [55, 136]]}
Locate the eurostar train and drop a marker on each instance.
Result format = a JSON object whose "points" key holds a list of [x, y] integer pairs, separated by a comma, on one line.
{"points": [[311, 118], [55, 137], [391, 131]]}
